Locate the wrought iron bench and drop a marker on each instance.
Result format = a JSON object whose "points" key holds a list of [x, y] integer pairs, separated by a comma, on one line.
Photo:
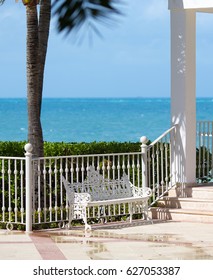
{"points": [[98, 197]]}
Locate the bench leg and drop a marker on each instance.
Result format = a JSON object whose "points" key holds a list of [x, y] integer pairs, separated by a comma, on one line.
{"points": [[130, 212], [145, 213], [84, 213], [71, 216], [87, 227]]}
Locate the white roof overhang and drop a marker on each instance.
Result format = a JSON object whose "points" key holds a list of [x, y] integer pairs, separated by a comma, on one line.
{"points": [[205, 6]]}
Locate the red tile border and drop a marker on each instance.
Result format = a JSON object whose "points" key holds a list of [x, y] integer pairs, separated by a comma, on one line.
{"points": [[47, 248]]}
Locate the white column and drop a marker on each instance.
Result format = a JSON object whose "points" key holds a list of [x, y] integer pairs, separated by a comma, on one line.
{"points": [[183, 93]]}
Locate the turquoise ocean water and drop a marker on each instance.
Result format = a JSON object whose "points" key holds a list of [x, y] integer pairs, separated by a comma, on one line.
{"points": [[94, 119]]}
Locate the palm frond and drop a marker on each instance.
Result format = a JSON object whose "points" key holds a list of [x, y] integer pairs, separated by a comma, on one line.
{"points": [[73, 14], [2, 2]]}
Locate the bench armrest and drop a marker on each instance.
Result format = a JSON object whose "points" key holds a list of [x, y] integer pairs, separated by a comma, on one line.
{"points": [[82, 198], [143, 192], [75, 197]]}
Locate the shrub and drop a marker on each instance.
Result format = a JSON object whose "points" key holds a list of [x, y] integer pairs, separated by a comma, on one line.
{"points": [[16, 149]]}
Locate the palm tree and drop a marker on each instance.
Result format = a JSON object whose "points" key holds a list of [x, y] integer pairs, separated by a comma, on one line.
{"points": [[38, 25], [72, 14]]}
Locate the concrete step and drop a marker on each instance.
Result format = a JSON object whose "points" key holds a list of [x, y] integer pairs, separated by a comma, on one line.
{"points": [[202, 192], [181, 215], [186, 203], [196, 205]]}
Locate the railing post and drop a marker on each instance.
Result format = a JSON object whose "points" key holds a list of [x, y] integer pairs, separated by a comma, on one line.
{"points": [[173, 157], [144, 140], [28, 171]]}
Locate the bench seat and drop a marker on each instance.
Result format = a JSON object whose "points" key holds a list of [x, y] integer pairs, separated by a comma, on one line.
{"points": [[116, 201]]}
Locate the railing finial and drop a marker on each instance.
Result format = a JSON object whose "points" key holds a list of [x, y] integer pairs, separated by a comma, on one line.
{"points": [[28, 148], [143, 139]]}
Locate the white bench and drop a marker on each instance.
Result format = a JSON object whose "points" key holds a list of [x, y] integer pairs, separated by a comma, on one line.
{"points": [[99, 197]]}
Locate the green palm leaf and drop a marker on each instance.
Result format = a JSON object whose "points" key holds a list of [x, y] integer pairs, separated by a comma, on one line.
{"points": [[73, 14]]}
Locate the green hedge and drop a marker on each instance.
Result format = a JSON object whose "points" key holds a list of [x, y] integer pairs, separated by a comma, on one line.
{"points": [[16, 149], [12, 149]]}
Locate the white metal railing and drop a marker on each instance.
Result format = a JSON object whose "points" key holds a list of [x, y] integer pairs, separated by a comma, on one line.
{"points": [[204, 159], [32, 187], [158, 167], [12, 190]]}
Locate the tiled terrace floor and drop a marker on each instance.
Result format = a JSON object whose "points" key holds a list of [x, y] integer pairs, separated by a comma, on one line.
{"points": [[122, 241]]}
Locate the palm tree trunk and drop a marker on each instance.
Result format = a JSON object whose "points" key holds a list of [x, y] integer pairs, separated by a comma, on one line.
{"points": [[35, 136], [43, 35], [37, 40]]}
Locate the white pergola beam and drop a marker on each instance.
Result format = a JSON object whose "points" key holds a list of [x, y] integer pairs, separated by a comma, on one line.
{"points": [[190, 4]]}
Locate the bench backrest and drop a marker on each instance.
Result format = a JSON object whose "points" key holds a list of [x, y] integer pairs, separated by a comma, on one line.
{"points": [[100, 188]]}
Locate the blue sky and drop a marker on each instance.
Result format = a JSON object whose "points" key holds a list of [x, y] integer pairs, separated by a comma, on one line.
{"points": [[132, 59]]}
